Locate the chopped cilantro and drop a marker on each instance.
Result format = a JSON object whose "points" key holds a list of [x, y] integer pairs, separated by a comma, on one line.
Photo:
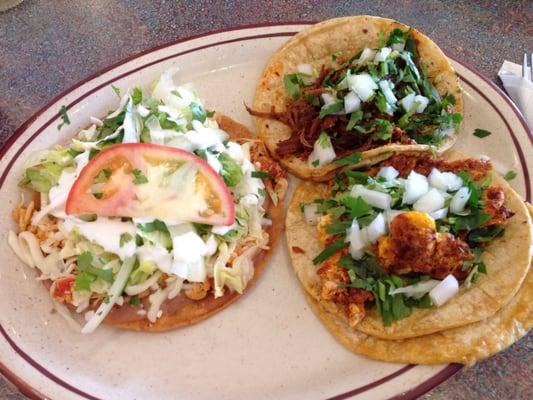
{"points": [[139, 177], [332, 108], [397, 36], [153, 226], [198, 112], [261, 175], [83, 281], [262, 192], [469, 222], [509, 176], [335, 55], [353, 158], [338, 228], [357, 206], [329, 251], [105, 274], [116, 90], [88, 273], [485, 234], [202, 153], [355, 117], [381, 102], [134, 300], [384, 131], [292, 84], [125, 238], [85, 260], [316, 163], [481, 133], [64, 117], [323, 140], [137, 96], [336, 212]]}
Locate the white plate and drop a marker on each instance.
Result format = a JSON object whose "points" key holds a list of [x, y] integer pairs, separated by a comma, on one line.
{"points": [[269, 345]]}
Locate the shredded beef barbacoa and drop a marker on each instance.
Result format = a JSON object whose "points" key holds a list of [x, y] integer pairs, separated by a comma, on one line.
{"points": [[305, 123]]}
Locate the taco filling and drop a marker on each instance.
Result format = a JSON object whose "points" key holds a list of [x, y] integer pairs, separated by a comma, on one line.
{"points": [[405, 234], [151, 204], [360, 102]]}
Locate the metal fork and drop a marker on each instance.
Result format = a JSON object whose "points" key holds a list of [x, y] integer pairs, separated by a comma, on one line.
{"points": [[525, 74]]}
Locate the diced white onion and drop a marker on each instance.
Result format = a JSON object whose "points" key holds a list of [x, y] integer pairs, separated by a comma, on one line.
{"points": [[389, 173], [390, 109], [386, 89], [376, 229], [310, 213], [431, 201], [143, 111], [398, 46], [421, 102], [343, 84], [416, 186], [446, 181], [363, 85], [308, 72], [323, 153], [366, 54], [444, 291], [382, 55], [391, 214], [418, 290], [439, 214], [459, 200], [408, 102], [328, 98], [372, 197], [356, 240], [351, 103], [305, 69]]}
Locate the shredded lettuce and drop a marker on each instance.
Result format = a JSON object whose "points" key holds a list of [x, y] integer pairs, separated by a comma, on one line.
{"points": [[43, 177], [143, 271], [231, 171]]}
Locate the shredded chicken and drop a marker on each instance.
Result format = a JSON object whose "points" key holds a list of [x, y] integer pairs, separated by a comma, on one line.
{"points": [[198, 290], [414, 245], [493, 199], [334, 277], [22, 215]]}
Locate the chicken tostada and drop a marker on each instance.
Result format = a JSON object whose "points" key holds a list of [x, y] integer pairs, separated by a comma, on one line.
{"points": [[155, 217], [351, 91], [412, 246]]}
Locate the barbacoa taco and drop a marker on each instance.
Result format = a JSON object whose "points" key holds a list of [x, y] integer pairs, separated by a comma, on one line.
{"points": [[412, 246], [352, 91], [156, 217]]}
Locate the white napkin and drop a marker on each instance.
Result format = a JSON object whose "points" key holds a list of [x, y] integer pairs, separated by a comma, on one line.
{"points": [[519, 89]]}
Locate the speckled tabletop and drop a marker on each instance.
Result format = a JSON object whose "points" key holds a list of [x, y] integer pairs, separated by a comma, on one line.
{"points": [[47, 46]]}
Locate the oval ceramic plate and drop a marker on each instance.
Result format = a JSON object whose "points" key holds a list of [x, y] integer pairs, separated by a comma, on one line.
{"points": [[268, 345]]}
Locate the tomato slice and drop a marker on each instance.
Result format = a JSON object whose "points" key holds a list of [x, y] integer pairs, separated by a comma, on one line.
{"points": [[141, 180]]}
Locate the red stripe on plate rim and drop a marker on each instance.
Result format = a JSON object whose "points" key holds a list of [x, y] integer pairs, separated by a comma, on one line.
{"points": [[425, 386]]}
